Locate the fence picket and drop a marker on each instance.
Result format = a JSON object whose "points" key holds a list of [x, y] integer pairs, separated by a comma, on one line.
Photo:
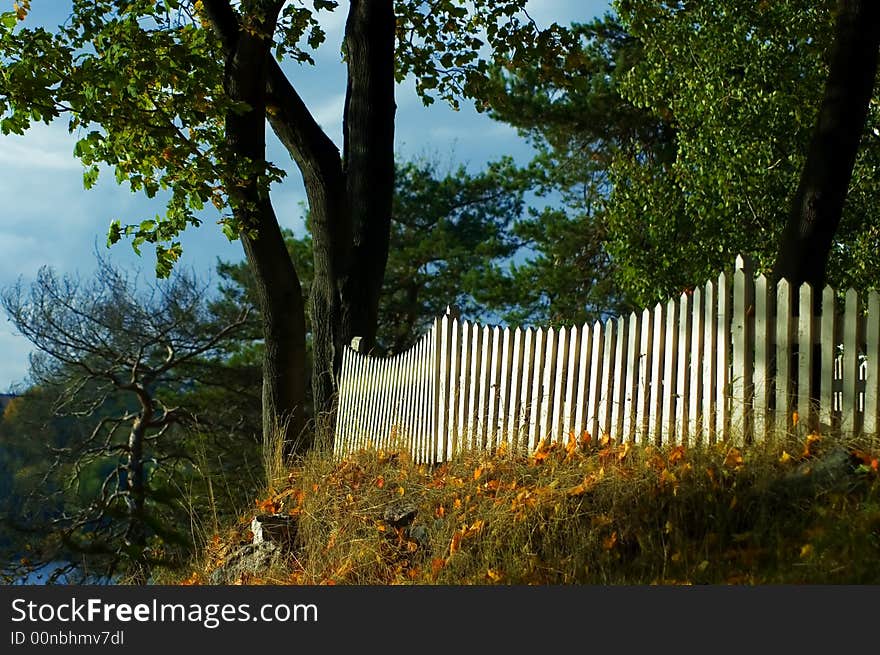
{"points": [[741, 418], [494, 390], [696, 373], [537, 377], [571, 381], [849, 422], [646, 340], [463, 387], [722, 382], [485, 388], [710, 363], [596, 375], [551, 347], [584, 376], [682, 378], [409, 400], [503, 389], [474, 374], [633, 345], [619, 372], [784, 303], [762, 377], [670, 401], [559, 383], [828, 338], [453, 439], [608, 376], [805, 357], [658, 344], [520, 437], [515, 390]]}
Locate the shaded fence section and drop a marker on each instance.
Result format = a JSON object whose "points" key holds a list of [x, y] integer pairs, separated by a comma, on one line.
{"points": [[736, 359]]}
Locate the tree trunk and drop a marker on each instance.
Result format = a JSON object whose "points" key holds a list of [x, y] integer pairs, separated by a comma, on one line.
{"points": [[282, 314], [279, 293], [368, 156], [350, 212], [816, 211], [368, 131]]}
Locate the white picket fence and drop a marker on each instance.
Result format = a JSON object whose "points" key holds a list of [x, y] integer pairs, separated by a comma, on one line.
{"points": [[734, 360]]}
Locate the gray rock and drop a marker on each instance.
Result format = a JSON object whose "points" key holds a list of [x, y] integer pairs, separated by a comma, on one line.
{"points": [[826, 472], [400, 514], [250, 559]]}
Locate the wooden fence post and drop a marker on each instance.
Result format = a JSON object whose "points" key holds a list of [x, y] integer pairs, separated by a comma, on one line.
{"points": [[742, 322]]}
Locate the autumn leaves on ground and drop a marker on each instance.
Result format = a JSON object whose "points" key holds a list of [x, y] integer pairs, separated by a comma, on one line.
{"points": [[801, 510]]}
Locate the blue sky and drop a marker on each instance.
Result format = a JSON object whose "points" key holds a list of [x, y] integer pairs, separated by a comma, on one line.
{"points": [[47, 218]]}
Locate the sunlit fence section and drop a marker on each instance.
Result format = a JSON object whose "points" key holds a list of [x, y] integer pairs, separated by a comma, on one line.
{"points": [[737, 359]]}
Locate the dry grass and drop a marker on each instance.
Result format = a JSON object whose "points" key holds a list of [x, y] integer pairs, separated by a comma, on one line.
{"points": [[580, 513]]}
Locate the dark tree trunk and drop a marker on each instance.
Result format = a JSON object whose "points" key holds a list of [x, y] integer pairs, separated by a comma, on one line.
{"points": [[279, 293], [816, 211], [369, 159], [350, 208], [279, 296]]}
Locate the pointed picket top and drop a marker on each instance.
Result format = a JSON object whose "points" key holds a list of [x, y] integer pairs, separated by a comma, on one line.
{"points": [[745, 264]]}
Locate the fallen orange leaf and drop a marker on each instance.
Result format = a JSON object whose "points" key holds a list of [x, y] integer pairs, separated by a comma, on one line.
{"points": [[585, 439], [542, 452], [676, 455], [734, 458], [812, 438]]}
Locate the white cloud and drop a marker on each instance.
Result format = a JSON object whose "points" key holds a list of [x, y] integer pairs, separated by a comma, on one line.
{"points": [[43, 147]]}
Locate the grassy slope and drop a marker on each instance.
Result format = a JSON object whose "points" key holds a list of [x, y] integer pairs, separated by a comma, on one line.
{"points": [[802, 510]]}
